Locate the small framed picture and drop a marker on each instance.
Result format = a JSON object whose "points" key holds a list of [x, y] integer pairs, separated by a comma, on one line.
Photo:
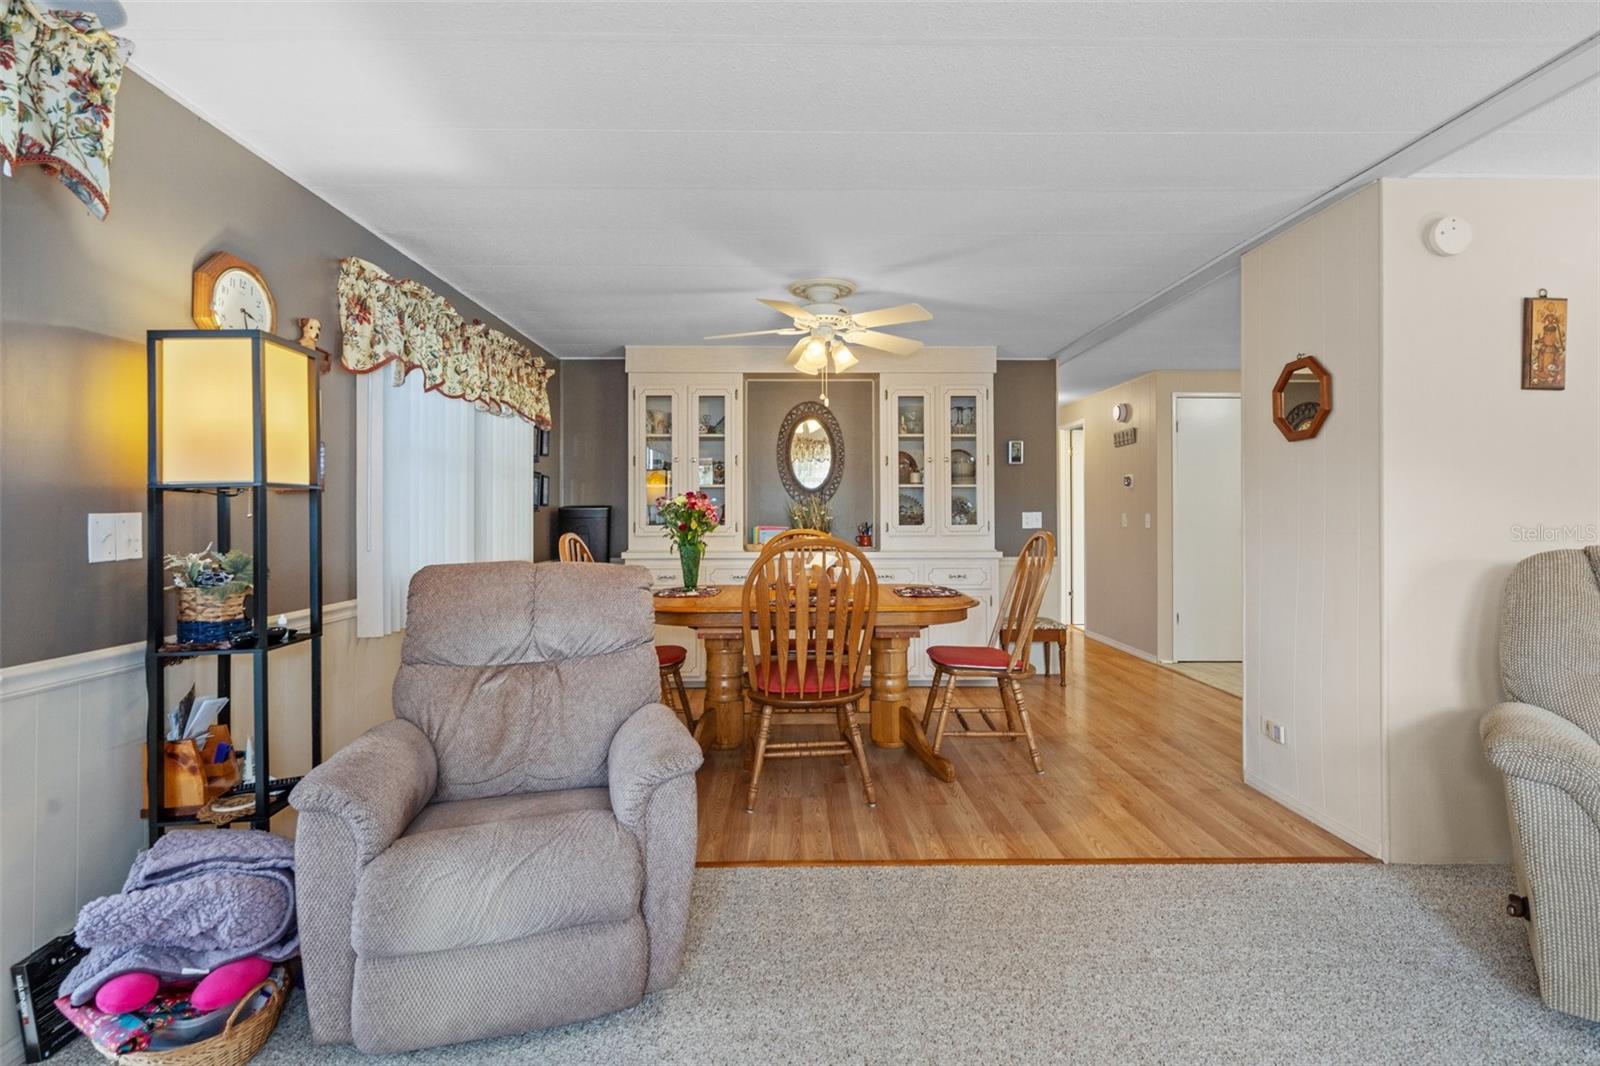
{"points": [[1014, 452], [544, 442], [541, 490]]}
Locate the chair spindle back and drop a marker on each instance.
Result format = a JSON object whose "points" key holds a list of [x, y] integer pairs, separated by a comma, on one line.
{"points": [[572, 549], [809, 599], [1019, 610]]}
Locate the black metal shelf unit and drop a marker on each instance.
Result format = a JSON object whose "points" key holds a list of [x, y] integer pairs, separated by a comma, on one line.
{"points": [[159, 655]]}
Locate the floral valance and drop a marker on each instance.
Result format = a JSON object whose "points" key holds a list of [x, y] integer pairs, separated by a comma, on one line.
{"points": [[59, 75], [388, 319]]}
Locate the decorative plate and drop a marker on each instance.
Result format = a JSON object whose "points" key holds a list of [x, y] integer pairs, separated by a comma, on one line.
{"points": [[962, 464], [681, 593], [925, 592], [908, 466], [910, 509]]}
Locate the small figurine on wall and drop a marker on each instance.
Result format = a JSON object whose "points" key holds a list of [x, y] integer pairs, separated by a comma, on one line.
{"points": [[1544, 353], [310, 332]]}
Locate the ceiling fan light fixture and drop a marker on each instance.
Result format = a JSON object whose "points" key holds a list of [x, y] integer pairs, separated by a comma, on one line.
{"points": [[814, 358], [843, 358]]}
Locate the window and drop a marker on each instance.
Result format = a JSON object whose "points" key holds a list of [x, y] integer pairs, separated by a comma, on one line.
{"points": [[438, 481]]}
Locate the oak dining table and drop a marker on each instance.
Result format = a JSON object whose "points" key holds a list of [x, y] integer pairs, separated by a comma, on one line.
{"points": [[716, 620]]}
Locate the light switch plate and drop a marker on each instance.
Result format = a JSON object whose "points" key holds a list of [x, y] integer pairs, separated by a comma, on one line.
{"points": [[102, 538], [130, 536], [1124, 519], [1032, 519], [1147, 520]]}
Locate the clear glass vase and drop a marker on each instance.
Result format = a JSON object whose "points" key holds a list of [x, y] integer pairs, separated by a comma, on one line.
{"points": [[689, 554]]}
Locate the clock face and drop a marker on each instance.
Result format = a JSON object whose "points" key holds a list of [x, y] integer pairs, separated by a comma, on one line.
{"points": [[239, 301]]}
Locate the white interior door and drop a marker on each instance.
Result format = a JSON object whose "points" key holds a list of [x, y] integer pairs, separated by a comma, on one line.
{"points": [[1079, 565], [1207, 531]]}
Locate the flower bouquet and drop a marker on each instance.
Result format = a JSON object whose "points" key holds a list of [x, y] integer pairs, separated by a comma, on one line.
{"points": [[688, 517]]}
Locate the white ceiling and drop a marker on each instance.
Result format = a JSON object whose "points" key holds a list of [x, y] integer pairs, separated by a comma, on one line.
{"points": [[602, 174]]}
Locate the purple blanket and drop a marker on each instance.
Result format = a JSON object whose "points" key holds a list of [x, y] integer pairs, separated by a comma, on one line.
{"points": [[196, 900]]}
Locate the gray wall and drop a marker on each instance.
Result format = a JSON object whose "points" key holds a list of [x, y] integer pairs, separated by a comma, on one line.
{"points": [[77, 298], [1025, 410], [853, 402], [593, 420]]}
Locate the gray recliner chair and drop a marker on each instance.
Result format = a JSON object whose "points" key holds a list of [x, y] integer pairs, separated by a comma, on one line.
{"points": [[515, 849], [1546, 740]]}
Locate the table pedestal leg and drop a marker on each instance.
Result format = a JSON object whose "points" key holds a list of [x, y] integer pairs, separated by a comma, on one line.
{"points": [[889, 688], [725, 690]]}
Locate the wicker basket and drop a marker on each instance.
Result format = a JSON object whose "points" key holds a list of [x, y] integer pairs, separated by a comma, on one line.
{"points": [[234, 1046], [206, 618]]}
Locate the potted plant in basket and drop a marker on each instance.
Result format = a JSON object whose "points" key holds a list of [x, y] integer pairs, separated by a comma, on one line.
{"points": [[211, 590], [689, 517]]}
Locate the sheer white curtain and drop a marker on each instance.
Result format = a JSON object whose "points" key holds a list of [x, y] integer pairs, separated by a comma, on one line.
{"points": [[437, 481]]}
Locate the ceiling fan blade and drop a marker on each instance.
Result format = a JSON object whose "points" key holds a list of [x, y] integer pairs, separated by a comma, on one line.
{"points": [[787, 332], [883, 342], [892, 316], [794, 311]]}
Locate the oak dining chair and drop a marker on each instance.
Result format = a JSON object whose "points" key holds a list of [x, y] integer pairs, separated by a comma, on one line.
{"points": [[571, 548], [807, 639], [669, 657], [1006, 658]]}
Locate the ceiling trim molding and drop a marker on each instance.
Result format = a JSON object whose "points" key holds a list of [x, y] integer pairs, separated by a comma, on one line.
{"points": [[1554, 77]]}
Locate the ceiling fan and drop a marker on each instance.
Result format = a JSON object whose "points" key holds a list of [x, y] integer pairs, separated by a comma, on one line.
{"points": [[827, 330]]}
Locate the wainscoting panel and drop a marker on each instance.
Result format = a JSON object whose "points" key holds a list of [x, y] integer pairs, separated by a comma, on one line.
{"points": [[71, 765]]}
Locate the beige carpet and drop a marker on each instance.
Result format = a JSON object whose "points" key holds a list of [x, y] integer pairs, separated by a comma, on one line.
{"points": [[1229, 677], [1085, 964]]}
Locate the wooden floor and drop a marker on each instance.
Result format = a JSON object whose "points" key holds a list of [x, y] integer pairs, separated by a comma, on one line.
{"points": [[1141, 764], [1229, 677]]}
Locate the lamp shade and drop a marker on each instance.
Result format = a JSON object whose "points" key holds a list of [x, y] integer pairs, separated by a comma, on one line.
{"points": [[232, 407]]}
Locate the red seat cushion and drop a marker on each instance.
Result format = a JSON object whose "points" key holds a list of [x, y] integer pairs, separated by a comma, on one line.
{"points": [[956, 657], [670, 654], [828, 681]]}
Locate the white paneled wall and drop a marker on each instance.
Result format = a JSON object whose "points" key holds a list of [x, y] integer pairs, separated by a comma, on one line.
{"points": [[1312, 525], [71, 765]]}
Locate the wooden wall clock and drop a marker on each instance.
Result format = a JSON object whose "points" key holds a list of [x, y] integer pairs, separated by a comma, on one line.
{"points": [[230, 293]]}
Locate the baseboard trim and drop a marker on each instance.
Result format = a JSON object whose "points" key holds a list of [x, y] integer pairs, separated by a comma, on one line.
{"points": [[1137, 653], [1344, 832], [46, 675]]}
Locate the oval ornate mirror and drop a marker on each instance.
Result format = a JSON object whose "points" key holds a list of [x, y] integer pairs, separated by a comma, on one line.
{"points": [[1302, 398], [810, 452]]}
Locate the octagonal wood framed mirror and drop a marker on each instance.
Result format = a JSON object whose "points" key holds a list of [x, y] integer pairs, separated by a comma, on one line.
{"points": [[810, 452], [1302, 399]]}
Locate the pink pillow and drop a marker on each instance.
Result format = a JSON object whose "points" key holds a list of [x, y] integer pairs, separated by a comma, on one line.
{"points": [[230, 983], [125, 992]]}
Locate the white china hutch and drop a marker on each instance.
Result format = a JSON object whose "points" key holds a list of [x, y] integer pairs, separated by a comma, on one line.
{"points": [[933, 471]]}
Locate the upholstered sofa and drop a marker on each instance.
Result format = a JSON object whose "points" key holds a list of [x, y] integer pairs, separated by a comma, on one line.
{"points": [[514, 850], [1546, 740]]}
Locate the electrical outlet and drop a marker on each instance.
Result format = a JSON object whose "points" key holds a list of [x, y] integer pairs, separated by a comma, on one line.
{"points": [[1124, 519], [102, 538], [1275, 731], [1032, 519], [1147, 520], [130, 536]]}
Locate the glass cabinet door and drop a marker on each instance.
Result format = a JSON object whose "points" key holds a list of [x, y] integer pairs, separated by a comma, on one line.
{"points": [[964, 508], [657, 413], [911, 434], [712, 457]]}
